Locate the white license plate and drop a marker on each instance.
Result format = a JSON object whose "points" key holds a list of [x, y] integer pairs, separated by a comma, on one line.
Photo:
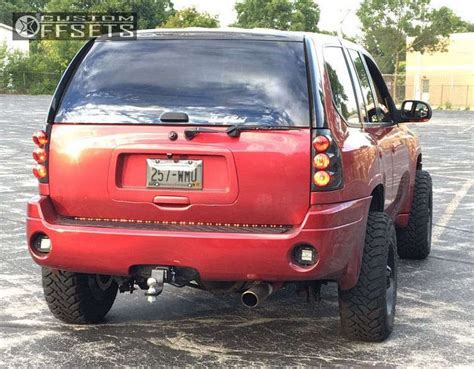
{"points": [[165, 173]]}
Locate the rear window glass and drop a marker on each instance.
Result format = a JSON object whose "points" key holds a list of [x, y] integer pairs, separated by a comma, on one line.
{"points": [[221, 82]]}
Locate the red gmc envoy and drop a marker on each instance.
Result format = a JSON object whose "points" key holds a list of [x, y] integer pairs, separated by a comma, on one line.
{"points": [[234, 161]]}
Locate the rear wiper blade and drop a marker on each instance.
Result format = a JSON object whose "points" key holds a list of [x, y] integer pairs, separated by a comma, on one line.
{"points": [[233, 131], [190, 133]]}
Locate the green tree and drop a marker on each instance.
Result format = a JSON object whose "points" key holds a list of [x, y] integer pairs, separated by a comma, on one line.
{"points": [[7, 7], [391, 27], [35, 73], [190, 17], [39, 71], [150, 13], [289, 15]]}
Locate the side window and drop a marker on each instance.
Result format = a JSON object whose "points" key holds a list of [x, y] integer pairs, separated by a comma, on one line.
{"points": [[341, 84], [369, 101], [381, 93]]}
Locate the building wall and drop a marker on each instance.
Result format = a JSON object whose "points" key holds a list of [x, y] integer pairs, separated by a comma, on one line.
{"points": [[6, 38], [443, 78]]}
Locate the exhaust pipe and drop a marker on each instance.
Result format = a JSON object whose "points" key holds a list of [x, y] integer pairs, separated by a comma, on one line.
{"points": [[257, 294]]}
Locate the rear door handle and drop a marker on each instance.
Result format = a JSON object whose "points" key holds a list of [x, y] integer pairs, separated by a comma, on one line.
{"points": [[171, 200]]}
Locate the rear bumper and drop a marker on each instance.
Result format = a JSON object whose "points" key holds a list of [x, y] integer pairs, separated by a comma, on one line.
{"points": [[336, 230]]}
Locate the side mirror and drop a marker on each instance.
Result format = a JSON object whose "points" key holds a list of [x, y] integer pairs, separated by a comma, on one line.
{"points": [[415, 111]]}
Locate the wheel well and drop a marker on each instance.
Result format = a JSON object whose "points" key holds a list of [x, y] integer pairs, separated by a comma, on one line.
{"points": [[419, 163], [378, 199]]}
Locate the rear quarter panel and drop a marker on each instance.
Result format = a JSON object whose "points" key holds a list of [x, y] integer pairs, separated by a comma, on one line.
{"points": [[413, 145]]}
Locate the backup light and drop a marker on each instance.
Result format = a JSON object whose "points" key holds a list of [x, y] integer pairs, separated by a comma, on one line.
{"points": [[42, 243], [45, 245], [305, 255], [321, 178]]}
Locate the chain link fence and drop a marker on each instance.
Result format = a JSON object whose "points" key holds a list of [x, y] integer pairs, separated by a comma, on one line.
{"points": [[459, 97], [30, 83]]}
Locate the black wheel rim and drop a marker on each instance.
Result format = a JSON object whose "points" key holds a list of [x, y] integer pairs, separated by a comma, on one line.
{"points": [[391, 283], [390, 291], [103, 281], [99, 285]]}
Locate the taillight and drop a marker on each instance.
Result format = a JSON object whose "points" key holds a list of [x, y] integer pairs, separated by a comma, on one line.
{"points": [[40, 138], [326, 162], [321, 161], [40, 171], [321, 143], [40, 154]]}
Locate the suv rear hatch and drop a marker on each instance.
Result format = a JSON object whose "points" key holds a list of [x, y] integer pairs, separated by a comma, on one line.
{"points": [[113, 158]]}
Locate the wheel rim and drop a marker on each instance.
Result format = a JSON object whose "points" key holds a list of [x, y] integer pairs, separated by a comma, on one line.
{"points": [[389, 292], [103, 281], [390, 282], [99, 285]]}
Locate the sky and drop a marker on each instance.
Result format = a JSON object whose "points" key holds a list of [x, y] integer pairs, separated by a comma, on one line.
{"points": [[333, 12]]}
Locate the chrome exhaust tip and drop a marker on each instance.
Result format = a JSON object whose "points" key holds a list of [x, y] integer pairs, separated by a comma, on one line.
{"points": [[255, 295]]}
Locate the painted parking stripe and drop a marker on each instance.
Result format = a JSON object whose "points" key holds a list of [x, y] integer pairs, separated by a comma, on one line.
{"points": [[449, 211]]}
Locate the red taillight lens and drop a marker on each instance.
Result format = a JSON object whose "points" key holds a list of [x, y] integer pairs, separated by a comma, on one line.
{"points": [[40, 155], [321, 161], [40, 171], [40, 138], [321, 143], [326, 168], [321, 178]]}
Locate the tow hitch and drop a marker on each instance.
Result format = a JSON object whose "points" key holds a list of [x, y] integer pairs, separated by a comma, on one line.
{"points": [[155, 284]]}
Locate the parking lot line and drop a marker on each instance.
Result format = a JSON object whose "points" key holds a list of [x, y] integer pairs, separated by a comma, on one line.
{"points": [[449, 176], [465, 130], [449, 211]]}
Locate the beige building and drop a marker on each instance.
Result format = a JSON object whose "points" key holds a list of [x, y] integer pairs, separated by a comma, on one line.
{"points": [[445, 79], [7, 39]]}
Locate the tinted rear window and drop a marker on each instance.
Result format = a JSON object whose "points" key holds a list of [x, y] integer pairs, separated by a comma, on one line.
{"points": [[214, 81]]}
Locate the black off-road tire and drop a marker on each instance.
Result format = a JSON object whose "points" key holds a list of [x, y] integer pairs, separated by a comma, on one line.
{"points": [[414, 241], [367, 310], [78, 298]]}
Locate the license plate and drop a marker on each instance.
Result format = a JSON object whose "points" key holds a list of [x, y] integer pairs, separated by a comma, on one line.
{"points": [[165, 173]]}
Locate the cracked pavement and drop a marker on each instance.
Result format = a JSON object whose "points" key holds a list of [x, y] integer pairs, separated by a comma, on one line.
{"points": [[188, 327]]}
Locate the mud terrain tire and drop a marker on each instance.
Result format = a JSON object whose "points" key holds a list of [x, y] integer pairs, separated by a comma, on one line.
{"points": [[367, 310], [414, 241], [78, 298]]}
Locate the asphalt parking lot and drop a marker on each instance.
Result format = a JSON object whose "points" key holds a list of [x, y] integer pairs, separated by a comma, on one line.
{"points": [[434, 323]]}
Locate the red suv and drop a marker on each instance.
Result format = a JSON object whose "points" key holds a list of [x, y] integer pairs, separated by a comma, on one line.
{"points": [[231, 161]]}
